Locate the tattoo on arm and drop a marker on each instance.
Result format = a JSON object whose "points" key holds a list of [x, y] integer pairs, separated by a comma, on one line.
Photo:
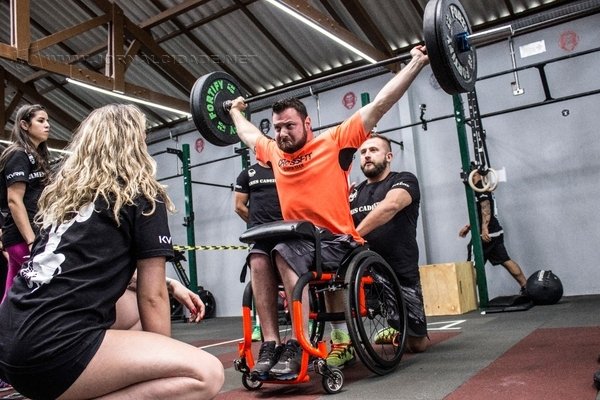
{"points": [[486, 213]]}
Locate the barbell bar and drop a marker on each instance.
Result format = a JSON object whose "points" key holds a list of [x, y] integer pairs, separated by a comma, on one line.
{"points": [[452, 55]]}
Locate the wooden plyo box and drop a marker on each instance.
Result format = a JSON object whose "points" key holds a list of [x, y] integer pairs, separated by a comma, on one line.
{"points": [[449, 288]]}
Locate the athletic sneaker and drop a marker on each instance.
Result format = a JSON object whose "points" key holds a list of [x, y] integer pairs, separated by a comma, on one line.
{"points": [[268, 355], [256, 334], [342, 352], [288, 366], [386, 336], [5, 386]]}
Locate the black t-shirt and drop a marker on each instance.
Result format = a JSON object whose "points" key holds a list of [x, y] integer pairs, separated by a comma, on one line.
{"points": [[494, 225], [20, 167], [395, 241], [64, 297], [263, 203]]}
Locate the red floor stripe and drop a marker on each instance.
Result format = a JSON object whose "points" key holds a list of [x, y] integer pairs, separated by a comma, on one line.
{"points": [[548, 364]]}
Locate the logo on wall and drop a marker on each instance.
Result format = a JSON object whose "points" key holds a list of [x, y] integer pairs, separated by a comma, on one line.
{"points": [[199, 145], [265, 126], [568, 40], [349, 100]]}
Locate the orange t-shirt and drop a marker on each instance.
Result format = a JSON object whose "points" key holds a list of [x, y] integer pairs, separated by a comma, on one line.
{"points": [[312, 183]]}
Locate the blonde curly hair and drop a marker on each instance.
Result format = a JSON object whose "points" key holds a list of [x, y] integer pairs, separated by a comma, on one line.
{"points": [[109, 160]]}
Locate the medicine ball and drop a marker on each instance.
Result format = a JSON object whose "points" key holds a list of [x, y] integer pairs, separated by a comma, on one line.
{"points": [[544, 287]]}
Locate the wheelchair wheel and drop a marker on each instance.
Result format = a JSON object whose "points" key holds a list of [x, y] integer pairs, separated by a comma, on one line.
{"points": [[374, 303], [249, 383], [333, 382]]}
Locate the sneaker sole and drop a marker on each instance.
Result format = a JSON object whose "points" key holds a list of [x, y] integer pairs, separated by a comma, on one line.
{"points": [[259, 376], [285, 377]]}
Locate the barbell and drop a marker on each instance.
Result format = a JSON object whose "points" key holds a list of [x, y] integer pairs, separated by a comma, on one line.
{"points": [[450, 45]]}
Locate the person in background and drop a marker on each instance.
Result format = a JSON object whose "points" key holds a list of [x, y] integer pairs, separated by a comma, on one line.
{"points": [[385, 210], [256, 202], [25, 171], [312, 183], [492, 236], [103, 217]]}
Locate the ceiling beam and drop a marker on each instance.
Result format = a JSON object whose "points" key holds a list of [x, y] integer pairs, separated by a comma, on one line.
{"points": [[368, 26], [115, 65], [167, 63], [21, 27], [20, 36], [333, 12], [301, 70], [172, 12], [68, 33], [327, 23]]}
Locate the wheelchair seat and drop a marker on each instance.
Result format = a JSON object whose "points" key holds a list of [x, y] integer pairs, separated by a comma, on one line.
{"points": [[280, 230]]}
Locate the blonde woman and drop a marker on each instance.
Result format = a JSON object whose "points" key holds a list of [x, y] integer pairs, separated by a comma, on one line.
{"points": [[103, 216]]}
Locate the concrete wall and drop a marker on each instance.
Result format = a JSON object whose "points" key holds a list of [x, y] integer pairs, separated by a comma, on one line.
{"points": [[546, 205]]}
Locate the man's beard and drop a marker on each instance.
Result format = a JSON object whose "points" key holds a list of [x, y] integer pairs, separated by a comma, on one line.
{"points": [[375, 170], [287, 146]]}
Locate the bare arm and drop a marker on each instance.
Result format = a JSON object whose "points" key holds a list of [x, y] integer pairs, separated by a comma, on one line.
{"points": [[394, 89], [395, 200], [15, 194], [486, 215], [189, 299], [182, 294], [465, 229], [247, 132], [152, 296], [241, 207]]}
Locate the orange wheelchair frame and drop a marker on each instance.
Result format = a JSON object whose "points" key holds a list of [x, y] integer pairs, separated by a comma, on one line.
{"points": [[374, 302]]}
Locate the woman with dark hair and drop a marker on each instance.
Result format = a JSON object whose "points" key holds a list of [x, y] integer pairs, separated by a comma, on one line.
{"points": [[25, 167]]}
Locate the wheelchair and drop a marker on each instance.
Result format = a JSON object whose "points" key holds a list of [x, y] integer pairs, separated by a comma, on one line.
{"points": [[373, 301]]}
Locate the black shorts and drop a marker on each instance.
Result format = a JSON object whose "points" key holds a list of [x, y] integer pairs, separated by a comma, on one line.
{"points": [[416, 324], [300, 253], [494, 251], [262, 247], [51, 379]]}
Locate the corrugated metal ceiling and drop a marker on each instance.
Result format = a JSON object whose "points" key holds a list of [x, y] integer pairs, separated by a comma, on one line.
{"points": [[260, 45]]}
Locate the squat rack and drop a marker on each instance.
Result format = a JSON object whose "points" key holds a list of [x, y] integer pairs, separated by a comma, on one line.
{"points": [[184, 157]]}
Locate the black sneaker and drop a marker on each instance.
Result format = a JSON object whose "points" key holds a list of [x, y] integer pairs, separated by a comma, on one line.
{"points": [[267, 357], [523, 292], [288, 366]]}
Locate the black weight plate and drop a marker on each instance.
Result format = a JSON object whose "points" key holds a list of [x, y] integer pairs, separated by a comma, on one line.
{"points": [[455, 70], [206, 100]]}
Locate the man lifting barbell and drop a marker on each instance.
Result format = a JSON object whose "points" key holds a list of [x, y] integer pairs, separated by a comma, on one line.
{"points": [[308, 168]]}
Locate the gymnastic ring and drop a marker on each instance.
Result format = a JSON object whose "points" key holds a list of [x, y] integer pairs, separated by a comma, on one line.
{"points": [[493, 183], [486, 183]]}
